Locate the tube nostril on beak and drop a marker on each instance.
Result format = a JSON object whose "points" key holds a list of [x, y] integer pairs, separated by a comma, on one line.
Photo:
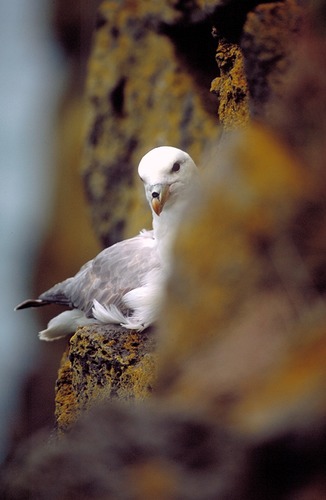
{"points": [[155, 194]]}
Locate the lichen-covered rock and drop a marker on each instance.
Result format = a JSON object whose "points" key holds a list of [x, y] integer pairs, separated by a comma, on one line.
{"points": [[293, 388], [256, 195], [104, 362], [236, 241], [261, 373], [242, 336], [146, 452], [121, 452], [261, 194], [298, 114], [253, 56], [66, 401], [231, 87], [252, 353], [148, 85], [269, 37]]}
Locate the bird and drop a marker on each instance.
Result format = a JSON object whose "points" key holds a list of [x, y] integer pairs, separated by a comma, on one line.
{"points": [[124, 283]]}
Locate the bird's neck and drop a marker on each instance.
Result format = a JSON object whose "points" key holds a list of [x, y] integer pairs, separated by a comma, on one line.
{"points": [[164, 226]]}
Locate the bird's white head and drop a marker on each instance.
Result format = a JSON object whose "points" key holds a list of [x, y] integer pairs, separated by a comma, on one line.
{"points": [[167, 173]]}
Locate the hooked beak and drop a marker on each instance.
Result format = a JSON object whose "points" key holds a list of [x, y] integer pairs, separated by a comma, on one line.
{"points": [[159, 195]]}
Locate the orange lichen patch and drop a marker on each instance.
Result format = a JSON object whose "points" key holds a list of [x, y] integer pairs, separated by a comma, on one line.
{"points": [[224, 248], [231, 87]]}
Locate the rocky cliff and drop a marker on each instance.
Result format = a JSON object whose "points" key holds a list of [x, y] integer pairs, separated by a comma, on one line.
{"points": [[236, 364]]}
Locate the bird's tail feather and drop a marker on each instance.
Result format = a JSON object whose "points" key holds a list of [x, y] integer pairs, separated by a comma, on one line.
{"points": [[107, 314], [31, 303], [65, 323]]}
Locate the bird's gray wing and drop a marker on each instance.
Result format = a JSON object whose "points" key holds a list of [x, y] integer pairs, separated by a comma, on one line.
{"points": [[114, 272]]}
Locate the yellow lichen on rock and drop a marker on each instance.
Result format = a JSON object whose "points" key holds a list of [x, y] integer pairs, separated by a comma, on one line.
{"points": [[104, 362], [139, 379], [66, 404], [231, 86]]}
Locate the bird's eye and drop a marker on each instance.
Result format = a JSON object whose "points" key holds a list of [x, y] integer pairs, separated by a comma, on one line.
{"points": [[176, 167]]}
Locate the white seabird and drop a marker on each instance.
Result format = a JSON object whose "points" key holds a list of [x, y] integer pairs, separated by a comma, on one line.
{"points": [[123, 284]]}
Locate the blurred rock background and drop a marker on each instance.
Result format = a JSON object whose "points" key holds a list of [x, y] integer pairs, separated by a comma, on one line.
{"points": [[32, 75], [238, 408], [44, 219]]}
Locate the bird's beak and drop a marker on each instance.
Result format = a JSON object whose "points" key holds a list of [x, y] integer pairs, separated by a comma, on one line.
{"points": [[159, 195]]}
